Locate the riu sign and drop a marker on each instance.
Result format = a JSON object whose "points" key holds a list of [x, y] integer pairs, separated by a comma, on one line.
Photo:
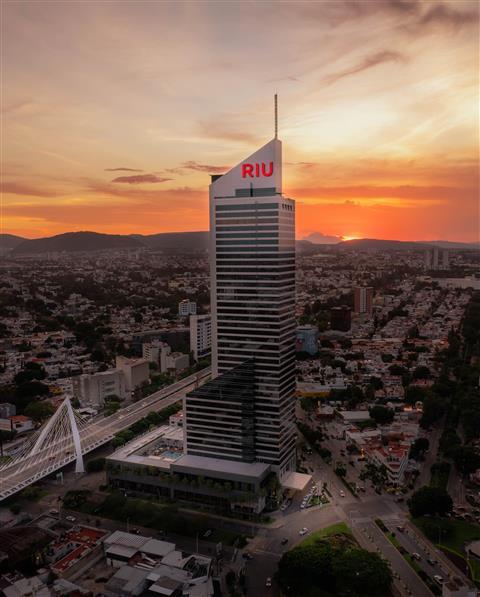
{"points": [[257, 170]]}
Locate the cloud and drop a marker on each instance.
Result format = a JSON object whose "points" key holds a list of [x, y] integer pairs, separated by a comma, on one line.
{"points": [[192, 165], [365, 64], [18, 188], [140, 178], [122, 169], [318, 238], [443, 15], [216, 129], [386, 193]]}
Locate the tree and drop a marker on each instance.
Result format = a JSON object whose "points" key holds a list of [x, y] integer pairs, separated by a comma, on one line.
{"points": [[95, 465], [30, 372], [421, 372], [361, 573], [433, 410], [305, 567], [466, 459], [381, 414], [430, 501], [341, 470], [419, 447], [39, 411]]}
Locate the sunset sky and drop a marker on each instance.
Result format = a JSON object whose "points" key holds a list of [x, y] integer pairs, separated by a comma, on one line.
{"points": [[115, 113]]}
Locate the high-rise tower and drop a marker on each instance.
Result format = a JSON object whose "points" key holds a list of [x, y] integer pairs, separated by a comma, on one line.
{"points": [[252, 259]]}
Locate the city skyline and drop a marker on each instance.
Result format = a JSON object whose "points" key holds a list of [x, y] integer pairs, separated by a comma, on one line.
{"points": [[115, 115]]}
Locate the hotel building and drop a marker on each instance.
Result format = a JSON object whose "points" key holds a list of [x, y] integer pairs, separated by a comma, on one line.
{"points": [[240, 426]]}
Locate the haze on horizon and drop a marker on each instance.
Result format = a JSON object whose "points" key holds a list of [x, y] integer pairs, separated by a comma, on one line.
{"points": [[114, 114]]}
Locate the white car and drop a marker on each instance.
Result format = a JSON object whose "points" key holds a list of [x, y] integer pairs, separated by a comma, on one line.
{"points": [[303, 531], [268, 582], [342, 493], [70, 518]]}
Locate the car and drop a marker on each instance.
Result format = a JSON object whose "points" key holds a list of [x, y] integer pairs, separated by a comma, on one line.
{"points": [[416, 556], [303, 505], [70, 518], [303, 531], [400, 528], [53, 512], [431, 561], [284, 541], [268, 582], [207, 533], [438, 579], [342, 493]]}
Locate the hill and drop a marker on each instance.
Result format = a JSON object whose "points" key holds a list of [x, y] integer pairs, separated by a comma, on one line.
{"points": [[76, 241], [363, 244], [10, 241], [176, 241]]}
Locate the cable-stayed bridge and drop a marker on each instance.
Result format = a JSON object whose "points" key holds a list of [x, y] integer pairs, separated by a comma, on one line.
{"points": [[66, 437]]}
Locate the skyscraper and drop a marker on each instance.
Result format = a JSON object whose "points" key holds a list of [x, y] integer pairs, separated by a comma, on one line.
{"points": [[252, 260]]}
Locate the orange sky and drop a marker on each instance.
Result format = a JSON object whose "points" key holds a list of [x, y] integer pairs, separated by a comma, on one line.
{"points": [[115, 113]]}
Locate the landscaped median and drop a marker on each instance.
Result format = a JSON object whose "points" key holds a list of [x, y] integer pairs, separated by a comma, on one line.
{"points": [[331, 562], [418, 569], [452, 536]]}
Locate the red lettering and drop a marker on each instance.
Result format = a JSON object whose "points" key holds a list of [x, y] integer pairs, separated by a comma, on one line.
{"points": [[247, 170], [255, 170], [264, 169]]}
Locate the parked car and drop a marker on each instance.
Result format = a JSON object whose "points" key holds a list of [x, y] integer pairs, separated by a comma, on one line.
{"points": [[284, 541], [303, 531], [416, 556], [268, 582], [70, 518], [438, 579], [53, 512]]}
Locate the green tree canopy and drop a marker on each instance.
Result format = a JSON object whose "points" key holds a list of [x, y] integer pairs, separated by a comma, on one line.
{"points": [[39, 411], [381, 414], [360, 573], [430, 501]]}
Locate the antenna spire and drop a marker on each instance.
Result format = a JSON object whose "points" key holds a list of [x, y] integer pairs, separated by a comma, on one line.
{"points": [[275, 102]]}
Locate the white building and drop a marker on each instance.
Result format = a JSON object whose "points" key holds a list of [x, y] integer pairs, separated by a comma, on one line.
{"points": [[187, 307], [91, 390], [136, 371], [200, 336], [151, 351], [252, 267], [172, 361]]}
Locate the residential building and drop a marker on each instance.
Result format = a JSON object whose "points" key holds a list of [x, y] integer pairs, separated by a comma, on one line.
{"points": [[363, 300], [187, 307], [7, 410], [307, 339], [92, 389], [341, 318], [200, 336], [21, 423], [136, 371]]}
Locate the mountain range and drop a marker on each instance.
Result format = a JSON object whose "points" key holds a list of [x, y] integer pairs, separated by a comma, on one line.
{"points": [[193, 242]]}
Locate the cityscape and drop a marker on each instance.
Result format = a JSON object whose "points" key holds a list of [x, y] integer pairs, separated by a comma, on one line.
{"points": [[239, 398]]}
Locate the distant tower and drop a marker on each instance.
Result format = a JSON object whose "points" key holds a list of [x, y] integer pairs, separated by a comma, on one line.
{"points": [[363, 299], [435, 258], [428, 259], [446, 259]]}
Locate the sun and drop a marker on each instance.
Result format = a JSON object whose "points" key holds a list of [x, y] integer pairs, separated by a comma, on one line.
{"points": [[350, 237]]}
